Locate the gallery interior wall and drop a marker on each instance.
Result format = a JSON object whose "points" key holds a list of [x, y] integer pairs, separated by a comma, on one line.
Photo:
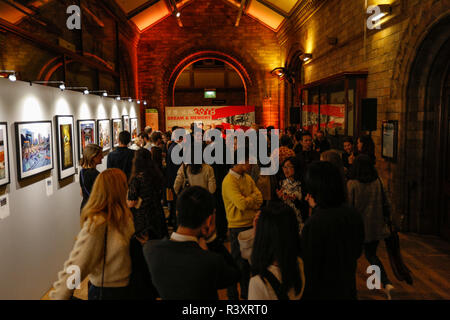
{"points": [[37, 237]]}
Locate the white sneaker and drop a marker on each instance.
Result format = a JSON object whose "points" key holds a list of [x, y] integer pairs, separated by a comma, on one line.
{"points": [[387, 289]]}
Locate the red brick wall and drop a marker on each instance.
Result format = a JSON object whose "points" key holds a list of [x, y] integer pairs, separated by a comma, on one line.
{"points": [[209, 25]]}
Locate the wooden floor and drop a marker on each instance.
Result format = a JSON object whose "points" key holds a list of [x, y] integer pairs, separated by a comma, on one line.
{"points": [[427, 257]]}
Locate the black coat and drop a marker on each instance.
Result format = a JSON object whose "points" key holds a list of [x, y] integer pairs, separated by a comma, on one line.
{"points": [[332, 242], [121, 158], [171, 168], [184, 271]]}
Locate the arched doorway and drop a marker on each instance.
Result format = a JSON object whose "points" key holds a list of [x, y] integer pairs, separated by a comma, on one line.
{"points": [[427, 134], [224, 82], [173, 73]]}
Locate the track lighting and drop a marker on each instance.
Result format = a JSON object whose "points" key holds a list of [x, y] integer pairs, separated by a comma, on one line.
{"points": [[85, 89], [61, 83], [12, 75], [103, 92]]}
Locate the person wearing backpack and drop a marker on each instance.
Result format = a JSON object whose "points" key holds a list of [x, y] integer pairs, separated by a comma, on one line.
{"points": [[276, 266]]}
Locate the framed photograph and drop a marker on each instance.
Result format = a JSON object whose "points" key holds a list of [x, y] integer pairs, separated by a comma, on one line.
{"points": [[104, 134], [86, 134], [126, 123], [134, 128], [34, 143], [116, 129], [66, 146], [4, 154], [389, 141]]}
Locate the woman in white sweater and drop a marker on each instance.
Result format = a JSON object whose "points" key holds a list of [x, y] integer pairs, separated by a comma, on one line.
{"points": [[276, 266], [201, 175], [105, 219]]}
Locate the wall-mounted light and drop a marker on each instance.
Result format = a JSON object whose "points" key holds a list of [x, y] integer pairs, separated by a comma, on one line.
{"points": [[103, 92], [62, 86], [384, 10], [11, 74], [85, 89], [280, 72], [306, 57], [115, 96]]}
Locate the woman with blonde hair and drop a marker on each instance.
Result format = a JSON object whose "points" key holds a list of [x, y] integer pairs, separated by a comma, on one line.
{"points": [[102, 248], [92, 156]]}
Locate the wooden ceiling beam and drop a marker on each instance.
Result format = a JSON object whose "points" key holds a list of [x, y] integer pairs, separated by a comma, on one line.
{"points": [[274, 8], [241, 11], [141, 8]]}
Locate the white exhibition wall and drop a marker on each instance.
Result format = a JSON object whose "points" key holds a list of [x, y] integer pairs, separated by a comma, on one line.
{"points": [[37, 237]]}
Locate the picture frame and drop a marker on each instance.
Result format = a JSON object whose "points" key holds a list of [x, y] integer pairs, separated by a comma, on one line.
{"points": [[126, 123], [116, 129], [65, 145], [389, 140], [5, 177], [104, 134], [134, 128], [87, 133], [34, 146]]}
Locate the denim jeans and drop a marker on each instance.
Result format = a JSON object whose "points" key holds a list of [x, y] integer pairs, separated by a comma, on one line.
{"points": [[243, 265]]}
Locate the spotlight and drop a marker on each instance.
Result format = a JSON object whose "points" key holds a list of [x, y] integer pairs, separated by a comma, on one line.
{"points": [[118, 98], [306, 57], [130, 100], [11, 76], [178, 14], [384, 9], [145, 103], [138, 102], [103, 92], [62, 87], [86, 92]]}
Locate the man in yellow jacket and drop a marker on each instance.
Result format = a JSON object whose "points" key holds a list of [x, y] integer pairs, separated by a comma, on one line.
{"points": [[242, 201]]}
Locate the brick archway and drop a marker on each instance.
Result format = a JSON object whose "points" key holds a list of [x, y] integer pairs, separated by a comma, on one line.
{"points": [[417, 85], [171, 75]]}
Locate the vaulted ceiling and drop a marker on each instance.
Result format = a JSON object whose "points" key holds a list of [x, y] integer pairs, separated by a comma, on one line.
{"points": [[145, 13]]}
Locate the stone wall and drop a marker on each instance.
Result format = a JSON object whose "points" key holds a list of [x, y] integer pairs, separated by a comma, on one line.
{"points": [[210, 26]]}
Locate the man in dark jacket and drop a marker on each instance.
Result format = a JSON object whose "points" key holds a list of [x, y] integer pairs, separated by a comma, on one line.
{"points": [[307, 154], [122, 157], [191, 265]]}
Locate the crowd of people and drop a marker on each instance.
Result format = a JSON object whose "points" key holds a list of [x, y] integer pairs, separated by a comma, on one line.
{"points": [[296, 234]]}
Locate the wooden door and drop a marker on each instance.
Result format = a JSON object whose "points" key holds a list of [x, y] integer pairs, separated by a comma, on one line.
{"points": [[445, 158]]}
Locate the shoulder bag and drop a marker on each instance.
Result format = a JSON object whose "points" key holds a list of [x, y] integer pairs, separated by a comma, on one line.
{"points": [[401, 271]]}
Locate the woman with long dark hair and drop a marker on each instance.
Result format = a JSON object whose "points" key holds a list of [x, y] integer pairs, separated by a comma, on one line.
{"points": [[365, 145], [144, 196], [365, 194], [276, 266], [332, 238]]}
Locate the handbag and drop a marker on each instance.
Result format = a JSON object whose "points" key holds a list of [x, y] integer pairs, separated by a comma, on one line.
{"points": [[401, 271]]}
